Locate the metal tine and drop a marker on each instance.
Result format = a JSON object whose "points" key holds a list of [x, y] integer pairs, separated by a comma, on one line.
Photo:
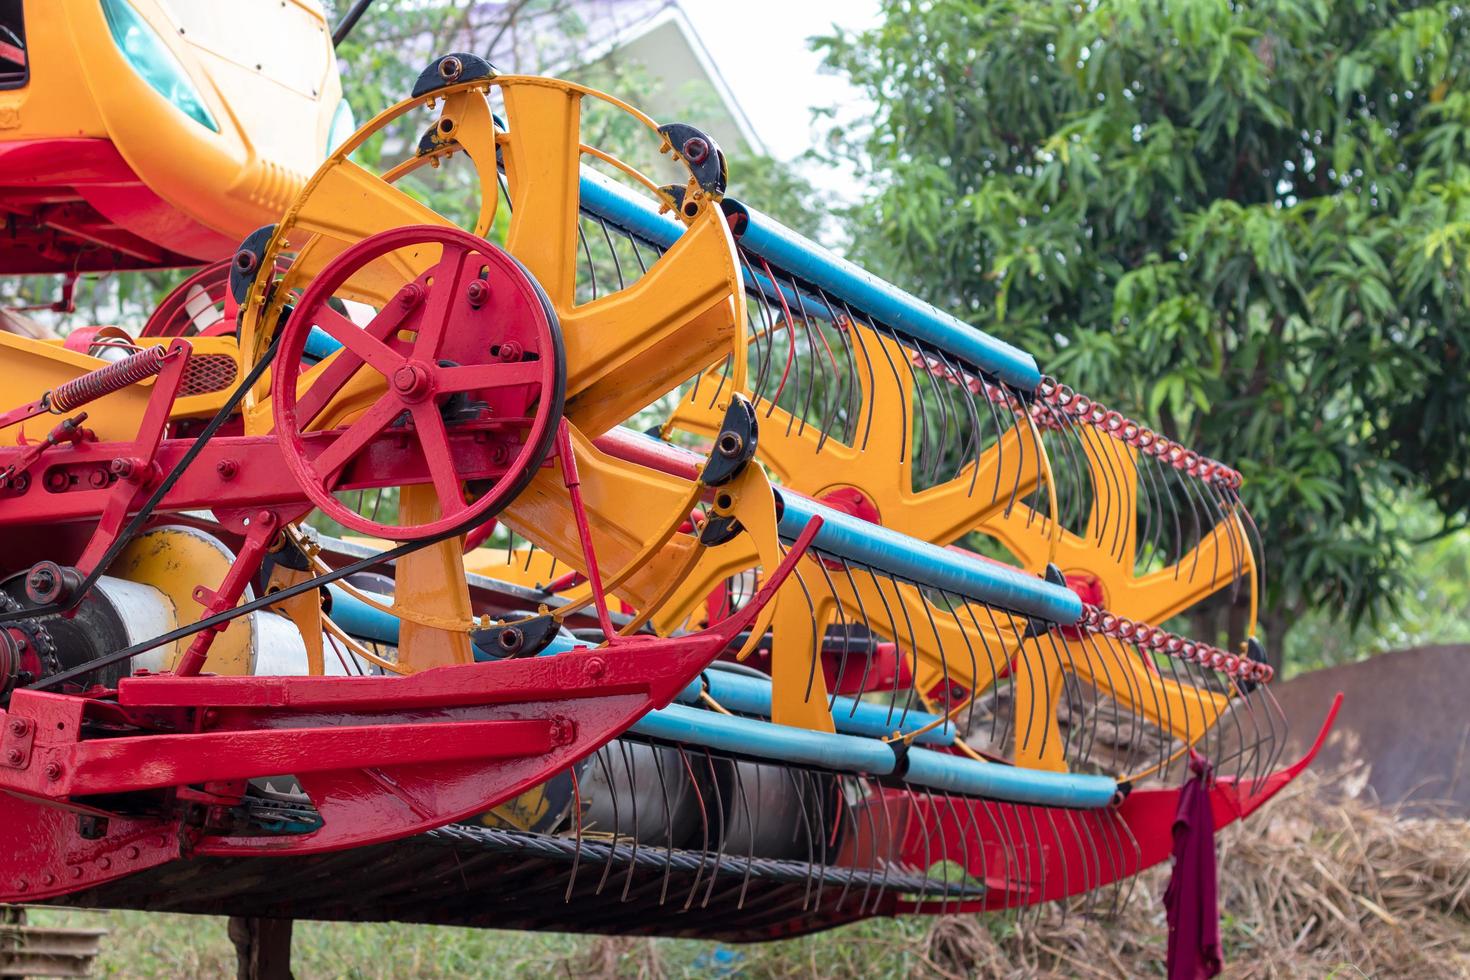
{"points": [[841, 394], [1049, 720], [704, 818], [841, 816], [944, 839], [750, 820], [723, 835], [1127, 509], [990, 658], [762, 336], [846, 638], [975, 445], [1100, 656], [601, 756], [816, 851], [632, 770], [891, 839], [658, 765], [863, 615], [925, 836], [1235, 537], [816, 638], [969, 807], [591, 266], [951, 603], [577, 830]]}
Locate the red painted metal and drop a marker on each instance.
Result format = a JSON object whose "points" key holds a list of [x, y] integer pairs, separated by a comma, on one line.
{"points": [[573, 483], [70, 195], [380, 757], [664, 457], [208, 291], [503, 352], [1028, 855]]}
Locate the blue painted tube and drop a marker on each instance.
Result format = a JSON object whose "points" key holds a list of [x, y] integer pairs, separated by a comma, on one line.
{"points": [[926, 564], [798, 746], [883, 301], [994, 781], [362, 620], [366, 622], [606, 199], [752, 696], [320, 344], [850, 753]]}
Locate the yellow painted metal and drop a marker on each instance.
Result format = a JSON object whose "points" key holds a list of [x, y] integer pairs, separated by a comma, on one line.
{"points": [[34, 367], [624, 349], [263, 69], [175, 560], [811, 462], [431, 580], [304, 611]]}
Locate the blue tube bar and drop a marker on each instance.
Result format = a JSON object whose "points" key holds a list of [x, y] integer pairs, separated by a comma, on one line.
{"points": [[605, 199], [885, 302], [364, 621], [930, 565], [850, 753], [752, 696]]}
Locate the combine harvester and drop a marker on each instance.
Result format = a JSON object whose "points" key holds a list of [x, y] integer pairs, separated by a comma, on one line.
{"points": [[871, 624]]}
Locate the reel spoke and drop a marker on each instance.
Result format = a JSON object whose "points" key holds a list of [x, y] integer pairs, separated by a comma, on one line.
{"points": [[478, 376], [434, 443], [357, 340], [330, 461], [542, 159]]}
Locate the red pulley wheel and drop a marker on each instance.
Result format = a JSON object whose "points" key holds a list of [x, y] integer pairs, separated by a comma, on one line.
{"points": [[472, 378]]}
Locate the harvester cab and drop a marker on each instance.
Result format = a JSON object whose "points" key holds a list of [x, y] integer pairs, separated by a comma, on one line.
{"points": [[139, 134]]}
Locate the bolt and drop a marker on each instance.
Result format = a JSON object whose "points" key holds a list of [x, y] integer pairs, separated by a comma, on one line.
{"points": [[53, 771], [131, 851], [14, 757], [500, 453], [20, 483], [410, 380], [42, 581], [511, 351], [696, 150], [210, 716], [477, 292], [121, 466], [596, 667], [563, 731], [227, 468], [411, 294], [18, 726], [57, 480], [730, 444]]}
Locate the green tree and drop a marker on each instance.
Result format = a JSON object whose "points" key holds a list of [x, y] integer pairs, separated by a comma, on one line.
{"points": [[1247, 222]]}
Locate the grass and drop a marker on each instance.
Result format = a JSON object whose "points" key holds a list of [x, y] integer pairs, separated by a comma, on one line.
{"points": [[144, 944]]}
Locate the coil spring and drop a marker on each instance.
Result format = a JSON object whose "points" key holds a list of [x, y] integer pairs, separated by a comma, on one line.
{"points": [[104, 381]]}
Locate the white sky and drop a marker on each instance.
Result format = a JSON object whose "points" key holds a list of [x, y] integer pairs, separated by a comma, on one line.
{"points": [[761, 49]]}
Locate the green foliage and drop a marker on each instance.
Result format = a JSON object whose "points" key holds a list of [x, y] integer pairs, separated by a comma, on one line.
{"points": [[1247, 222]]}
